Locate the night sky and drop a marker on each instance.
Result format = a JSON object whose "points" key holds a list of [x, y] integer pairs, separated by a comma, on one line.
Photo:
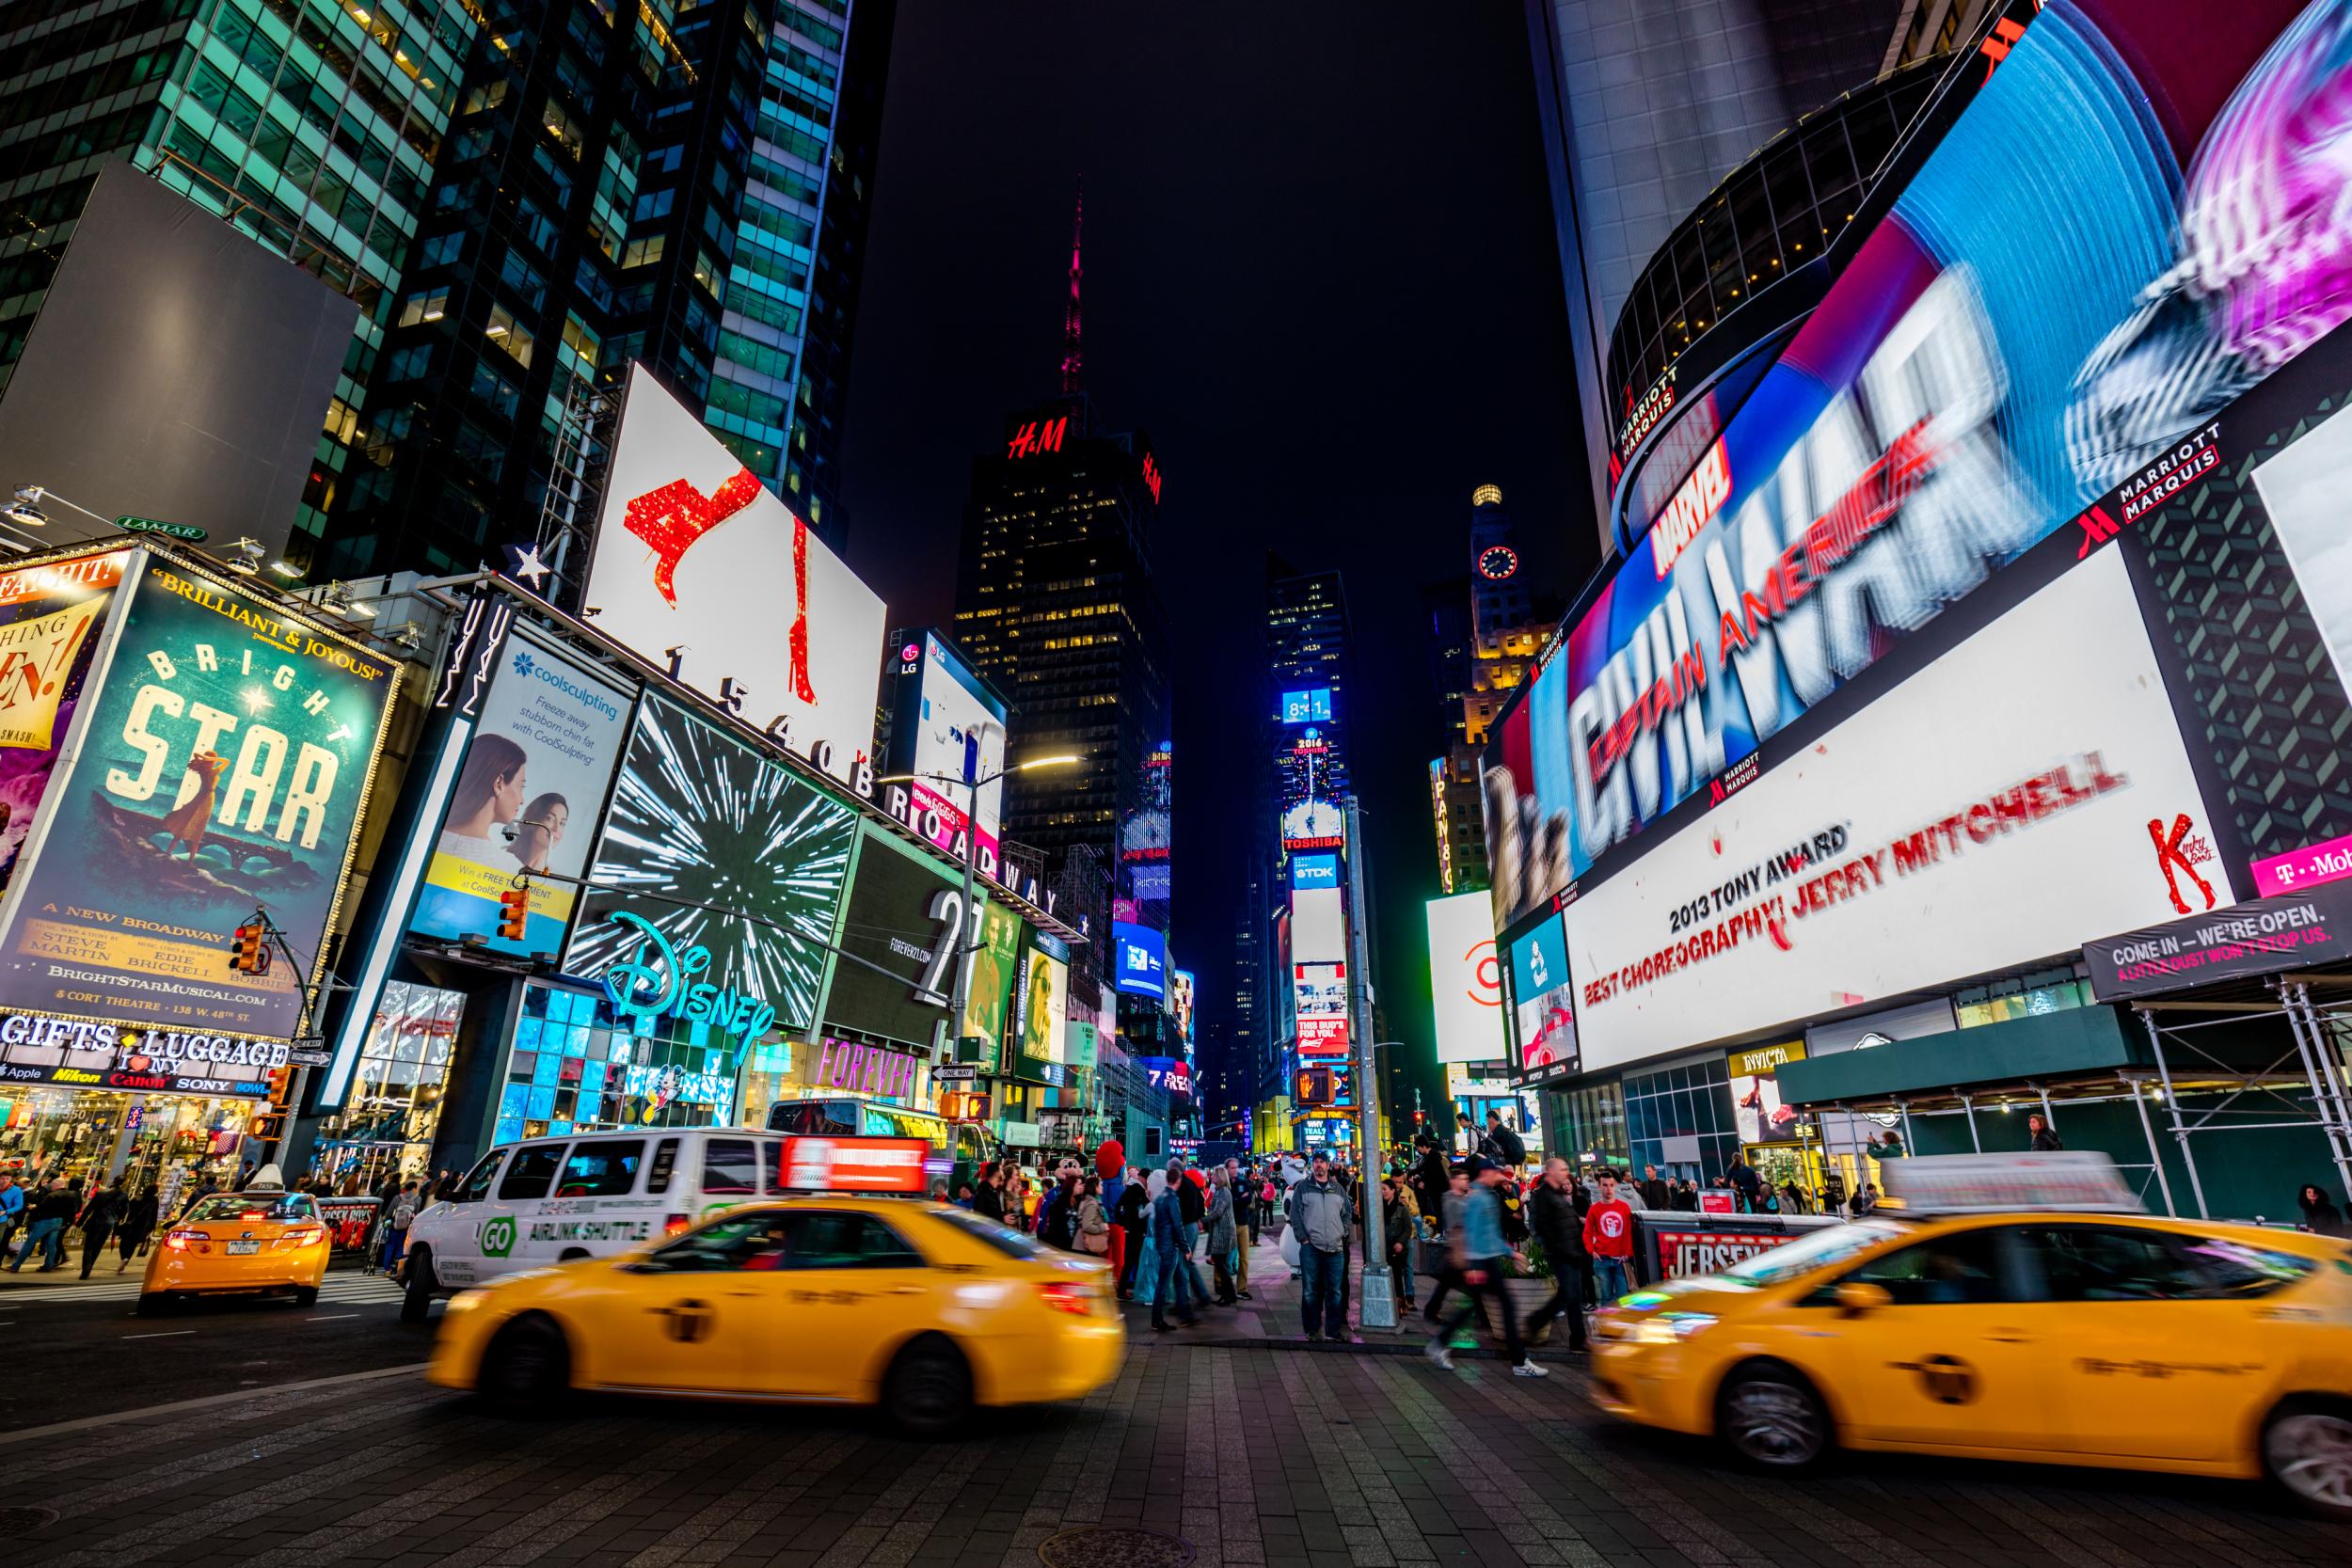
{"points": [[1319, 271]]}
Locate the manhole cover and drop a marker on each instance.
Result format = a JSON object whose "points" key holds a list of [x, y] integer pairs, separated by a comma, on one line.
{"points": [[15, 1521], [1114, 1546]]}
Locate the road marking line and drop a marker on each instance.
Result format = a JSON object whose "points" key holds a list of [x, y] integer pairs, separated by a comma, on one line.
{"points": [[334, 1318], [86, 1423], [167, 1334]]}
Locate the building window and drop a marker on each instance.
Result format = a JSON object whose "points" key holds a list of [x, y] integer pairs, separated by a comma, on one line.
{"points": [[510, 334], [394, 1109], [426, 304]]}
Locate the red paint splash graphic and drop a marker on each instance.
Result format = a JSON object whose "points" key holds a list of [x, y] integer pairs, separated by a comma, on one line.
{"points": [[673, 516], [801, 686]]}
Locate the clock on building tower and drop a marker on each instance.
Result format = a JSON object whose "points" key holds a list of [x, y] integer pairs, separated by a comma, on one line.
{"points": [[1496, 562]]}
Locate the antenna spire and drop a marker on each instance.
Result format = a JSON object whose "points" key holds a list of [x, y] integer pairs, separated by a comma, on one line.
{"points": [[1072, 356]]}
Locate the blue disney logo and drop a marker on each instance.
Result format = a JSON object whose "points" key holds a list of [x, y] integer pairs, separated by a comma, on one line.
{"points": [[663, 983]]}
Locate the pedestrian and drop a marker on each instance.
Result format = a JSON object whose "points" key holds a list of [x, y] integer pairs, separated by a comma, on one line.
{"points": [[2319, 1213], [1053, 1216], [1224, 1233], [1481, 1260], [1865, 1200], [136, 1225], [987, 1199], [1245, 1223], [1502, 1143], [2044, 1139], [963, 1196], [12, 1209], [1608, 1236], [1397, 1226], [1653, 1194], [1747, 1185], [1888, 1146], [1172, 1283], [1318, 1211], [1792, 1200], [1192, 1200], [1558, 1226], [98, 1219], [1133, 1203], [44, 1227], [396, 1221], [1090, 1231]]}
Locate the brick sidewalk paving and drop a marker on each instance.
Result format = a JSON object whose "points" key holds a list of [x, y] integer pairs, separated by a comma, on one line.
{"points": [[1258, 1458]]}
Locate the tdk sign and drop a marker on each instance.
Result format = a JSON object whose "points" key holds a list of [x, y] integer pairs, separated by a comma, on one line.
{"points": [[1315, 871]]}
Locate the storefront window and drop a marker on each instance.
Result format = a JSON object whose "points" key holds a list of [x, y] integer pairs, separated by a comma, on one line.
{"points": [[388, 1123], [769, 1076], [575, 1067], [1676, 1111], [172, 1142], [1589, 1121]]}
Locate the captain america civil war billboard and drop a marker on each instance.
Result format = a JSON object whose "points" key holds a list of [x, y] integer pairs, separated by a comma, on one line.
{"points": [[2119, 236]]}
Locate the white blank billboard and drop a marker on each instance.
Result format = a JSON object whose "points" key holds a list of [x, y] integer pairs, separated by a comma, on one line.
{"points": [[692, 552], [1994, 809], [1318, 926], [1466, 978]]}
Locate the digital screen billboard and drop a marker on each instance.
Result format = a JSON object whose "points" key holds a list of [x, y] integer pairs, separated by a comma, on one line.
{"points": [[947, 725], [695, 554], [995, 961], [2025, 789], [1543, 1012], [1040, 1005], [1180, 1002], [225, 765], [1307, 708], [1314, 825], [1465, 980], [1315, 871], [528, 798], [1142, 961], [904, 917], [698, 816], [1996, 352], [1318, 926]]}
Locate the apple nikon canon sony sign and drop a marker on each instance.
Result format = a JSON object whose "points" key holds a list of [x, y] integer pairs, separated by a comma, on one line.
{"points": [[706, 574]]}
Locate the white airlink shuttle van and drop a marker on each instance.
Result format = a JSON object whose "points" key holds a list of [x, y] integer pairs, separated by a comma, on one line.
{"points": [[591, 1195]]}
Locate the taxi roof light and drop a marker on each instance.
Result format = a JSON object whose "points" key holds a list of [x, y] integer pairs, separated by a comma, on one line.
{"points": [[2075, 1180]]}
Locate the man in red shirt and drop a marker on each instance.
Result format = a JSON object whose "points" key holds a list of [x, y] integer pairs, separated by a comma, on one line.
{"points": [[1609, 1236]]}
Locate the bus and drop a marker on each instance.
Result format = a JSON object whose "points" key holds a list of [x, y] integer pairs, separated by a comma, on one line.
{"points": [[958, 1149]]}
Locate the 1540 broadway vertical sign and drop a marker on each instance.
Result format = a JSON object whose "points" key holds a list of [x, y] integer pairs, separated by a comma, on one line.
{"points": [[223, 767]]}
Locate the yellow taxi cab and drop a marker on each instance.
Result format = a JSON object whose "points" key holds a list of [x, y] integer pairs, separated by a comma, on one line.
{"points": [[264, 1240], [924, 1309], [2017, 1310]]}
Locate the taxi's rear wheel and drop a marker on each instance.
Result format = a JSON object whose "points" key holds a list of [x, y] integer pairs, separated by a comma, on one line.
{"points": [[306, 1295], [928, 1391], [1772, 1419], [417, 1300], [153, 1304], [527, 1369], [2307, 1452]]}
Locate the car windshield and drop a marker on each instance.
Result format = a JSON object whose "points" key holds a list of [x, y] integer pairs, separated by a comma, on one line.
{"points": [[1830, 1245], [271, 1208], [1004, 1238]]}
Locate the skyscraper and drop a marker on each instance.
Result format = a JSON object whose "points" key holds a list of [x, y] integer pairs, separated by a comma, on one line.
{"points": [[314, 128], [1057, 604], [621, 185], [1312, 675]]}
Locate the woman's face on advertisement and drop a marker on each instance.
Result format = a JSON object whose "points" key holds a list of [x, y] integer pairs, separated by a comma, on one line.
{"points": [[506, 796]]}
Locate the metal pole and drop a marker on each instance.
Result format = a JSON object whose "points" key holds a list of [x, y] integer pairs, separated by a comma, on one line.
{"points": [[2173, 1107], [1376, 1307], [2324, 1099], [1902, 1108], [2155, 1155], [968, 938], [2048, 1119], [1968, 1104]]}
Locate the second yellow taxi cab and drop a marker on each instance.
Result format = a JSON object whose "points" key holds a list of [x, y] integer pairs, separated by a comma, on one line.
{"points": [[924, 1309], [2079, 1333], [260, 1242]]}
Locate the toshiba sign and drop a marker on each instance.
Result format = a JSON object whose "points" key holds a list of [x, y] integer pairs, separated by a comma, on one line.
{"points": [[2024, 789]]}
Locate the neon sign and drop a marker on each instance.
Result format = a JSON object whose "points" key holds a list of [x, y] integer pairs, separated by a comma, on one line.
{"points": [[1044, 435], [666, 987]]}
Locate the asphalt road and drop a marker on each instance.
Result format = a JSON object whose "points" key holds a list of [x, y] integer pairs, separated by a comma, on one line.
{"points": [[265, 1436]]}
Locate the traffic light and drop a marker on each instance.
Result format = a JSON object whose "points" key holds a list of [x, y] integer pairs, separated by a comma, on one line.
{"points": [[267, 1126], [248, 953], [514, 911]]}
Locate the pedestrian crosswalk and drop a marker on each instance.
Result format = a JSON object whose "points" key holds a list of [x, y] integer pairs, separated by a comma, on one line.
{"points": [[348, 1287]]}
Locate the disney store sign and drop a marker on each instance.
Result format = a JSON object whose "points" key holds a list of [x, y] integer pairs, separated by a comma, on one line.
{"points": [[35, 1048], [657, 980]]}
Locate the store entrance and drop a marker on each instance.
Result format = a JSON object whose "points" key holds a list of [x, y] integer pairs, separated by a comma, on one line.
{"points": [[171, 1142]]}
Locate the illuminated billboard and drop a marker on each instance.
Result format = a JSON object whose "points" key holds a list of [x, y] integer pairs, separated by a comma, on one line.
{"points": [[730, 835], [1995, 355], [1142, 961], [903, 920], [947, 727], [223, 765], [1318, 926], [1543, 1012], [693, 554], [1314, 825], [1307, 708], [1315, 871], [2042, 792], [1040, 1006], [1465, 980]]}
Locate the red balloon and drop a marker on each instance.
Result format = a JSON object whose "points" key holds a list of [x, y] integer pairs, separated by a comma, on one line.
{"points": [[1110, 1158]]}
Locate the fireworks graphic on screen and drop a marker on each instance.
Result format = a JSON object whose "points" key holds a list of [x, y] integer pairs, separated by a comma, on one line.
{"points": [[699, 817]]}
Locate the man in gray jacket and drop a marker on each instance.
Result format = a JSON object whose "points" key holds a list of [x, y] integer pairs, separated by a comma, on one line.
{"points": [[1318, 1211]]}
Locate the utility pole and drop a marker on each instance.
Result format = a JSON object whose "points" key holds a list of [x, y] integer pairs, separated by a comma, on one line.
{"points": [[1378, 1310]]}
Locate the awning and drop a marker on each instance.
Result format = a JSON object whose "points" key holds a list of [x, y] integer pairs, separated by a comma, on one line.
{"points": [[2043, 1046]]}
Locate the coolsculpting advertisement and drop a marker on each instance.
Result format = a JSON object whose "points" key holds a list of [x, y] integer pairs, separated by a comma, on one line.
{"points": [[2025, 789], [225, 766], [527, 799]]}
